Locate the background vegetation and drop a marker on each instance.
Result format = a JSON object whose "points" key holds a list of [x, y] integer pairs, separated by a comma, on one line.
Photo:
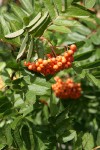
{"points": [[26, 123]]}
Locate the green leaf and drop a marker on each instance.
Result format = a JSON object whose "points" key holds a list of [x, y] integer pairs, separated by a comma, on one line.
{"points": [[27, 5], [78, 143], [53, 104], [5, 104], [63, 22], [78, 69], [11, 17], [16, 121], [2, 139], [30, 98], [26, 136], [98, 138], [95, 39], [34, 21], [18, 139], [93, 79], [58, 4], [15, 34], [42, 81], [30, 49], [43, 27], [91, 64], [8, 135], [50, 7], [75, 37], [69, 137], [61, 29], [74, 11], [87, 141], [38, 89], [83, 56], [40, 49], [5, 25], [40, 144], [81, 29], [89, 3], [23, 47], [62, 116], [18, 11], [36, 26]]}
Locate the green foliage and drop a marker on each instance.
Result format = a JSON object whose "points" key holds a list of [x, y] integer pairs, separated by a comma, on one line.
{"points": [[31, 116]]}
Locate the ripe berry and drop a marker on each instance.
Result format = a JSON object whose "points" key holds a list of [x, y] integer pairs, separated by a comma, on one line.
{"points": [[52, 64], [73, 47], [40, 60], [66, 89], [70, 52], [55, 67], [45, 62], [30, 67], [38, 69]]}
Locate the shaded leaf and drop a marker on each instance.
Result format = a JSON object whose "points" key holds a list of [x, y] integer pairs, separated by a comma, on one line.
{"points": [[18, 139], [98, 138], [30, 49], [39, 22], [23, 47], [91, 64], [83, 56], [34, 20], [93, 79], [8, 135]]}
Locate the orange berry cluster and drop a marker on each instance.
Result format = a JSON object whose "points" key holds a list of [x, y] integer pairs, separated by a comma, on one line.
{"points": [[66, 89], [52, 64]]}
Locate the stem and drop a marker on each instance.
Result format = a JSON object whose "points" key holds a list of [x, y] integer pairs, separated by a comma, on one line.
{"points": [[50, 44], [96, 148]]}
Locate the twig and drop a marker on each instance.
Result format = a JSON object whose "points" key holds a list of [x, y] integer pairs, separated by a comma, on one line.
{"points": [[96, 148], [50, 44]]}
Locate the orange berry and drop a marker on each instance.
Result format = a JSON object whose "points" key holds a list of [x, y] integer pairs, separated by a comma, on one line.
{"points": [[59, 58], [25, 63], [63, 60], [38, 69], [70, 52], [73, 47], [41, 66], [78, 84], [40, 60], [45, 62], [30, 67], [37, 64], [53, 59], [59, 64], [55, 67], [66, 54], [69, 64]]}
